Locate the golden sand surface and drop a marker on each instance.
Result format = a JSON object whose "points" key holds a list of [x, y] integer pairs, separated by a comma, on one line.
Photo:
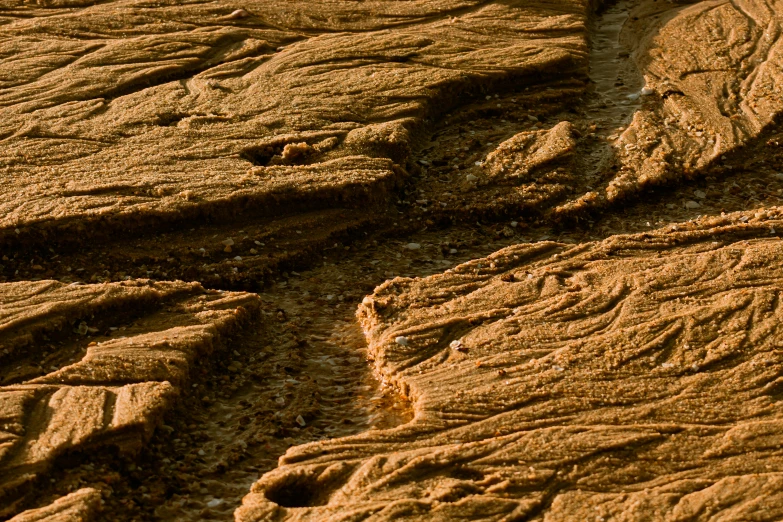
{"points": [[391, 260]]}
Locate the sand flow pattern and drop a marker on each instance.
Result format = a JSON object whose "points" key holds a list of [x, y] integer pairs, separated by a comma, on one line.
{"points": [[204, 208]]}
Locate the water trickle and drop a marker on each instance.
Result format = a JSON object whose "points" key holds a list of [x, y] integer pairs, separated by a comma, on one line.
{"points": [[616, 81]]}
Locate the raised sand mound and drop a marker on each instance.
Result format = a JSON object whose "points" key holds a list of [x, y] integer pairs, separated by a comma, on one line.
{"points": [[130, 114], [635, 378], [107, 395]]}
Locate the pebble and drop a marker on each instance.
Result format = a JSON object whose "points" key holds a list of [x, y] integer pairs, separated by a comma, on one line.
{"points": [[692, 204], [401, 340], [228, 242], [215, 502], [300, 421], [453, 251], [413, 246], [471, 177], [514, 224], [239, 13], [238, 258], [279, 400], [700, 194], [646, 91], [81, 329]]}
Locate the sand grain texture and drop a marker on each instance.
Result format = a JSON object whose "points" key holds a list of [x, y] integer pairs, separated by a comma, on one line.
{"points": [[636, 378], [111, 394]]}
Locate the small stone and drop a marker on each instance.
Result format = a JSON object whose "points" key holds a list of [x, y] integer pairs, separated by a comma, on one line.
{"points": [[401, 340], [238, 258], [453, 251], [280, 400], [514, 224], [458, 346], [413, 246], [471, 177], [692, 204], [201, 453], [215, 502], [700, 194], [239, 13], [300, 421], [633, 97], [228, 242], [253, 251], [82, 329], [646, 91]]}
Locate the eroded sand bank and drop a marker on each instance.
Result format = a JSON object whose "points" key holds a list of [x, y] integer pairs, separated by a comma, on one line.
{"points": [[582, 202]]}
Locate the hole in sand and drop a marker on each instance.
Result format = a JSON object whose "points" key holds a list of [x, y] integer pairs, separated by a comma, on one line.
{"points": [[305, 489]]}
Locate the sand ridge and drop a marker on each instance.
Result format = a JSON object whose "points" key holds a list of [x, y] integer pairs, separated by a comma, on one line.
{"points": [[464, 173]]}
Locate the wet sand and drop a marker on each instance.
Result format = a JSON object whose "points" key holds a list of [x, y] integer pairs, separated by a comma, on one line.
{"points": [[434, 260]]}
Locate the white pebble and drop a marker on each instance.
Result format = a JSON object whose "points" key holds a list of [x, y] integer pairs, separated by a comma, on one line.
{"points": [[238, 258], [215, 502], [700, 194], [228, 242], [692, 204], [401, 340], [646, 91], [455, 345], [471, 177], [514, 224], [413, 246], [453, 251], [634, 96], [300, 421], [239, 13]]}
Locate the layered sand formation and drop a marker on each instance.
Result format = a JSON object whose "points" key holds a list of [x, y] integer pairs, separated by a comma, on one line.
{"points": [[130, 115], [635, 378], [103, 396]]}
